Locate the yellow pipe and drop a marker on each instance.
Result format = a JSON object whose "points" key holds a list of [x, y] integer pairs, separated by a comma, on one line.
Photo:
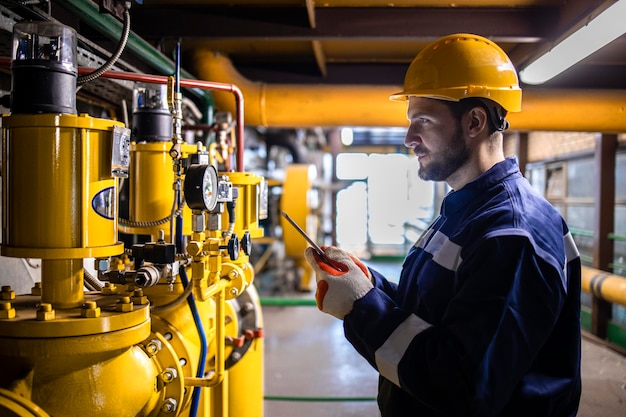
{"points": [[606, 286], [62, 282], [301, 105], [213, 289], [246, 377]]}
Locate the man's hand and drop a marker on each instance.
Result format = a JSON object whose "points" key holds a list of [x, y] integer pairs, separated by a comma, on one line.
{"points": [[341, 284]]}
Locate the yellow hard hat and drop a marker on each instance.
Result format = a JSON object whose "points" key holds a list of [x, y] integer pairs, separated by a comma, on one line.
{"points": [[460, 66]]}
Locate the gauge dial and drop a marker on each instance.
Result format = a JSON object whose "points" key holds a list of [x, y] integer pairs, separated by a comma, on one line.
{"points": [[201, 187]]}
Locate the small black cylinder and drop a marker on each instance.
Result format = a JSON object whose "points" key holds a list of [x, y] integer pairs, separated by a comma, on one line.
{"points": [[152, 126], [39, 86]]}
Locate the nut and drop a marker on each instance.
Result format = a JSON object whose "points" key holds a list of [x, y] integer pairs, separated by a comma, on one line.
{"points": [[139, 298], [45, 312], [6, 310], [124, 305], [169, 405], [90, 309], [169, 374], [153, 346], [109, 288], [7, 293], [36, 290]]}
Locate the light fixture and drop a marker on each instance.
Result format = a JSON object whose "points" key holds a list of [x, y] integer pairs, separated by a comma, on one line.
{"points": [[604, 28]]}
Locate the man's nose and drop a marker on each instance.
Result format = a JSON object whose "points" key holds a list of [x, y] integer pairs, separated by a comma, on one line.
{"points": [[410, 139]]}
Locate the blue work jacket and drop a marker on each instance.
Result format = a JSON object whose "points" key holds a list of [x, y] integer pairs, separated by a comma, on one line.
{"points": [[485, 318]]}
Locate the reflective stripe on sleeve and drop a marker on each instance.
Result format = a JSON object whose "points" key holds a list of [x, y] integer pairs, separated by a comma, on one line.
{"points": [[391, 352], [571, 250], [444, 252]]}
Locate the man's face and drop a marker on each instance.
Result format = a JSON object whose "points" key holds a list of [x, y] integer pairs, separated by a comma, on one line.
{"points": [[436, 138]]}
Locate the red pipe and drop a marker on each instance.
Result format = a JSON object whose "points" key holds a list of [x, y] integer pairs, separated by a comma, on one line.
{"points": [[161, 79], [185, 82]]}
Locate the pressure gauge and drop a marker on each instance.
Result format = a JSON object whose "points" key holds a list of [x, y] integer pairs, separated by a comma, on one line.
{"points": [[200, 187]]}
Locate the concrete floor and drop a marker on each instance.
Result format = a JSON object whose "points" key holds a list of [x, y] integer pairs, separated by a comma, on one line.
{"points": [[312, 371]]}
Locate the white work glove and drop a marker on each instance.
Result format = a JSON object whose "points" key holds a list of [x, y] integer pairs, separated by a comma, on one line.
{"points": [[338, 286]]}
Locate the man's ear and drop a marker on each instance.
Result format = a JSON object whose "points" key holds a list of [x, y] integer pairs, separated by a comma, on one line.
{"points": [[476, 121]]}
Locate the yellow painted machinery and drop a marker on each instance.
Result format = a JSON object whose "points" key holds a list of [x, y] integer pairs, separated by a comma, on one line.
{"points": [[171, 324], [296, 200]]}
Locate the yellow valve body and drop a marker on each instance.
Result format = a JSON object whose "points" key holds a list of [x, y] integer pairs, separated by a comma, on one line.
{"points": [[151, 191], [72, 365], [247, 207], [56, 173]]}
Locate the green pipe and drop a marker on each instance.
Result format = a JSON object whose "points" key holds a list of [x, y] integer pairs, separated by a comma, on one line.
{"points": [[589, 233], [282, 301], [112, 27], [619, 238], [581, 232], [317, 399]]}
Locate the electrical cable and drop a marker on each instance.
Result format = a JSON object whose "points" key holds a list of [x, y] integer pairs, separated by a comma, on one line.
{"points": [[116, 55], [91, 282], [180, 299]]}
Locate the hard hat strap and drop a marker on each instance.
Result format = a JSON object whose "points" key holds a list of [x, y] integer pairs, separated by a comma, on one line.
{"points": [[497, 115]]}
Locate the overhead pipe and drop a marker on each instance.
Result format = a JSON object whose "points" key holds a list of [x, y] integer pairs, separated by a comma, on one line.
{"points": [[231, 89], [312, 105]]}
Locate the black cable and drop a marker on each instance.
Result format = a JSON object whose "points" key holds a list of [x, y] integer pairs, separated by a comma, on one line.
{"points": [[113, 59]]}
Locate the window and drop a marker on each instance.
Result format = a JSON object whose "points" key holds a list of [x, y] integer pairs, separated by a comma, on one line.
{"points": [[385, 207]]}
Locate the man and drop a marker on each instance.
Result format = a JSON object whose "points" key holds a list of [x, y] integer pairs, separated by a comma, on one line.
{"points": [[485, 318]]}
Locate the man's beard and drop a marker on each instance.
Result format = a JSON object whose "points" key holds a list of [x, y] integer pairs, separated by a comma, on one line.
{"points": [[447, 161]]}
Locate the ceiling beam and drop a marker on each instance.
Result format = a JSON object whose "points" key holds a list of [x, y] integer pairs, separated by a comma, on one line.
{"points": [[310, 11], [529, 24], [320, 58]]}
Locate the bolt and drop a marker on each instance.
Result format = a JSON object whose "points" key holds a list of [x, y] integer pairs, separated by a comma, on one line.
{"points": [[120, 265], [109, 288], [90, 309], [139, 298], [153, 347], [36, 290], [234, 291], [233, 274], [7, 293], [194, 248], [169, 405], [124, 305], [45, 312], [169, 374], [6, 310]]}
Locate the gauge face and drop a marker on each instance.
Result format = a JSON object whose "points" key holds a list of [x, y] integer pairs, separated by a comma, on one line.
{"points": [[209, 187], [201, 187]]}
